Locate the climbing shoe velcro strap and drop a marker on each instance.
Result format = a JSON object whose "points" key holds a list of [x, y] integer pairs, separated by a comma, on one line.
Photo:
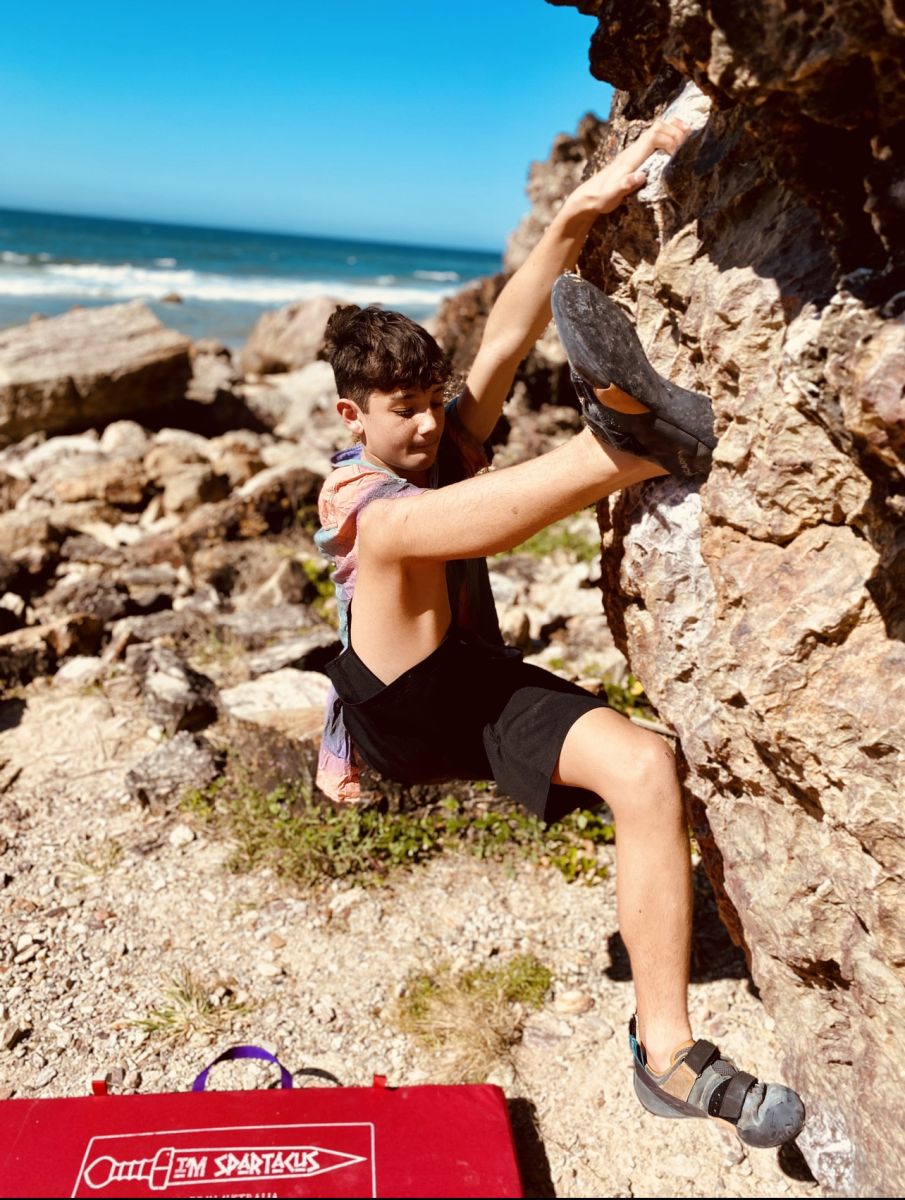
{"points": [[701, 1055], [728, 1099]]}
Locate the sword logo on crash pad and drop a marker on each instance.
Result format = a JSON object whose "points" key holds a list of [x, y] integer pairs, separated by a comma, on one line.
{"points": [[171, 1167]]}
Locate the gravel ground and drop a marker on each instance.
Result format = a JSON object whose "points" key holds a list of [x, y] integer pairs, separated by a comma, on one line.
{"points": [[104, 905]]}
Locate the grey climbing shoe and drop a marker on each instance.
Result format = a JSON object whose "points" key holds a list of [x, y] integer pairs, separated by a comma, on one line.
{"points": [[701, 1083], [603, 349]]}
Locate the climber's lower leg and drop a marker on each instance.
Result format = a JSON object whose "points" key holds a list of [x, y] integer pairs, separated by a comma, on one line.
{"points": [[634, 772]]}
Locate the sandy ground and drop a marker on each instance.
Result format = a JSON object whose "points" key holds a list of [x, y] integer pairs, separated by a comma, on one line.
{"points": [[104, 905]]}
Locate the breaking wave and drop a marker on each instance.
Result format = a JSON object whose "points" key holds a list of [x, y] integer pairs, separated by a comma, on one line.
{"points": [[32, 275]]}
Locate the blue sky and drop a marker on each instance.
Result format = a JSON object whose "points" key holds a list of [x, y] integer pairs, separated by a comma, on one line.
{"points": [[405, 120]]}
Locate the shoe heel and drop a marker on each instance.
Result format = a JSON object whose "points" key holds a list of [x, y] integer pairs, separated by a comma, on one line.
{"points": [[655, 1102]]}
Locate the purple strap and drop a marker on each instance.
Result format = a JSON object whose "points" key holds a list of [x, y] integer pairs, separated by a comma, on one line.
{"points": [[243, 1052]]}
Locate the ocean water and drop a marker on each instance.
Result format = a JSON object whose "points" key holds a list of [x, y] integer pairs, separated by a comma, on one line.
{"points": [[225, 278]]}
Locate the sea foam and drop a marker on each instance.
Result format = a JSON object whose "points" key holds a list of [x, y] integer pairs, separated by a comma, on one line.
{"points": [[97, 281]]}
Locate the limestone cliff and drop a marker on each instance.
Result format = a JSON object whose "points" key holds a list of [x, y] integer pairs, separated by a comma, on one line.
{"points": [[764, 609]]}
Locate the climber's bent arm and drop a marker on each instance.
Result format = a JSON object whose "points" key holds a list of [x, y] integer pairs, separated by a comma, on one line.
{"points": [[522, 310]]}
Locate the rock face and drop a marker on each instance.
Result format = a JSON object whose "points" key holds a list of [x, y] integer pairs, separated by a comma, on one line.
{"points": [[88, 367], [287, 338], [763, 610]]}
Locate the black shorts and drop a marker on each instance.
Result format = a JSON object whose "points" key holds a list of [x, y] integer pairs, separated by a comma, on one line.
{"points": [[470, 710]]}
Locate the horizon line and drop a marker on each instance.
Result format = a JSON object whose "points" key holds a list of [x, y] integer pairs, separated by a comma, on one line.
{"points": [[320, 237]]}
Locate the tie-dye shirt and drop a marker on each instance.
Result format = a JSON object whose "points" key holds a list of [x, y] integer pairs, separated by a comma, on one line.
{"points": [[353, 484]]}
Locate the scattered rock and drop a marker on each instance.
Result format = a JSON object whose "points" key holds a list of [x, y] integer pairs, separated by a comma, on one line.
{"points": [[12, 1032], [88, 367], [193, 486], [181, 835], [79, 672], [288, 700], [288, 338], [572, 1002], [287, 585], [162, 778], [36, 650], [176, 696], [307, 653]]}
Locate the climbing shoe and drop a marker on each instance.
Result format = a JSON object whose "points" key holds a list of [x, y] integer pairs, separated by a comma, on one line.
{"points": [[701, 1083], [603, 349]]}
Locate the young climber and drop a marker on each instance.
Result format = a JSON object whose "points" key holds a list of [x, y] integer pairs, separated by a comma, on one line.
{"points": [[425, 689]]}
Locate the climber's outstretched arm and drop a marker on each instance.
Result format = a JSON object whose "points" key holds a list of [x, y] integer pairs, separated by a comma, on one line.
{"points": [[522, 309]]}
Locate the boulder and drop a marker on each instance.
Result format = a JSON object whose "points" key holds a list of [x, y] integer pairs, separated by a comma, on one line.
{"points": [[88, 367], [182, 764], [213, 372], [177, 627], [762, 609], [31, 543], [125, 439], [290, 701], [287, 585], [164, 460], [309, 652], [549, 182], [287, 338], [101, 597], [78, 672], [259, 628], [117, 481], [36, 649], [267, 503], [9, 574], [192, 486], [300, 405], [312, 408], [12, 488], [176, 696]]}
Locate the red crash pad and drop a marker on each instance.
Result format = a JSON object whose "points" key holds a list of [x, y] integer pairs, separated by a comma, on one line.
{"points": [[311, 1141]]}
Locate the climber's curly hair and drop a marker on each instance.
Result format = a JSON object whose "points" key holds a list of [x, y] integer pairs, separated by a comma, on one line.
{"points": [[372, 349]]}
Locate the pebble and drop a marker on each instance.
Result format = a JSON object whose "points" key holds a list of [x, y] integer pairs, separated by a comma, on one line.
{"points": [[181, 835], [11, 1033], [573, 1002], [682, 1166], [735, 1153]]}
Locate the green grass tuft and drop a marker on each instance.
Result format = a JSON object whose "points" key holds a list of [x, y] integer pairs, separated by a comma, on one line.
{"points": [[630, 699], [313, 841], [472, 1020], [563, 536]]}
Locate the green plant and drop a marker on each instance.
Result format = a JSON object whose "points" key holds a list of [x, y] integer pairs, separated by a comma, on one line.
{"points": [[471, 1020], [201, 802], [312, 841], [523, 980], [192, 1007], [98, 859], [565, 536], [308, 518], [215, 648], [630, 699], [324, 602]]}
